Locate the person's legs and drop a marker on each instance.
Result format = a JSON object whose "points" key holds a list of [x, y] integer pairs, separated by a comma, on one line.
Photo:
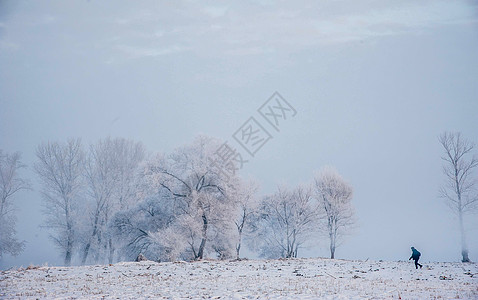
{"points": [[417, 264]]}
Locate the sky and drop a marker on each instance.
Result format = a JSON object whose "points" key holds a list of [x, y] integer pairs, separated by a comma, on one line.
{"points": [[374, 83]]}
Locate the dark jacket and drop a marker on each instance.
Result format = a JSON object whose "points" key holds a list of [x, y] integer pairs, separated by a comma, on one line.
{"points": [[415, 254]]}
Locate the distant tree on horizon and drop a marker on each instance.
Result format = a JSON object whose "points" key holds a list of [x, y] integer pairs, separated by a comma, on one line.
{"points": [[248, 204], [284, 222], [10, 184], [60, 168], [110, 172], [334, 195], [459, 189]]}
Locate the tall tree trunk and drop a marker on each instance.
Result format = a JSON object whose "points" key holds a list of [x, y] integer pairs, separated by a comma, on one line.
{"points": [[85, 253], [332, 244], [204, 236], [240, 228], [2, 204], [69, 236], [293, 244], [464, 248], [112, 251], [332, 236], [332, 249], [68, 258], [238, 247], [88, 245], [69, 248]]}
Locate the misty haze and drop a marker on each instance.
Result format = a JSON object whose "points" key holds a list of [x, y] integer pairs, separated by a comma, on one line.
{"points": [[200, 149]]}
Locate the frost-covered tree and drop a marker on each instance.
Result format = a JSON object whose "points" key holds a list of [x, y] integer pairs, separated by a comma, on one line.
{"points": [[286, 220], [191, 206], [335, 199], [59, 168], [146, 228], [101, 182], [10, 184], [459, 189], [111, 171], [247, 205], [204, 206]]}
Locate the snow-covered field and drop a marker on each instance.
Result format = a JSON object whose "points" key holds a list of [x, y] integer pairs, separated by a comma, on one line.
{"points": [[250, 279]]}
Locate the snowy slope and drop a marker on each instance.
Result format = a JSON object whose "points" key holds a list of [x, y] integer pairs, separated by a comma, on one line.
{"points": [[273, 279]]}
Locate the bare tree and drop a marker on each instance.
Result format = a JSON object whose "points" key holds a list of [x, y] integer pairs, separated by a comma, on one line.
{"points": [[285, 221], [10, 184], [334, 195], [130, 156], [459, 189], [247, 202], [111, 171], [101, 182], [60, 170]]}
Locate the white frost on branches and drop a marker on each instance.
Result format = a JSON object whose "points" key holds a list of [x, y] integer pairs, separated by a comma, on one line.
{"points": [[10, 184], [334, 195]]}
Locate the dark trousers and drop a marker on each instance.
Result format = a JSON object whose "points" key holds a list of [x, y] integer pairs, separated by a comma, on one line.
{"points": [[416, 263]]}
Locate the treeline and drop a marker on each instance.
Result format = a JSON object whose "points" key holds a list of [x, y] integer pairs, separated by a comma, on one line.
{"points": [[113, 201]]}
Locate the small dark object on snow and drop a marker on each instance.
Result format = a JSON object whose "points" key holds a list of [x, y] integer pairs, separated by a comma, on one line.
{"points": [[141, 257], [416, 256]]}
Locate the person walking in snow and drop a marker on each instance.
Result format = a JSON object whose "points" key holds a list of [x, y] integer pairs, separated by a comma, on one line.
{"points": [[416, 256]]}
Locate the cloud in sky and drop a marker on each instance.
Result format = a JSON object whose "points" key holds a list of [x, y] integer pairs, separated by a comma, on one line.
{"points": [[247, 29], [240, 28], [136, 52]]}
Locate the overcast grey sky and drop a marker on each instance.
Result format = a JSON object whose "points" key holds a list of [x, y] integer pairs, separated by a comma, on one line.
{"points": [[374, 83]]}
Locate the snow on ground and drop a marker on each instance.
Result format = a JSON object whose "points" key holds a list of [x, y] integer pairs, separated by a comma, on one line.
{"points": [[315, 278]]}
